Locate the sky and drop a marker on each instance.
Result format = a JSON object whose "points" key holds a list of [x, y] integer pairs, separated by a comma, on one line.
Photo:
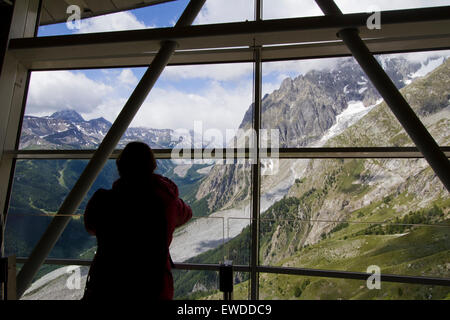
{"points": [[218, 95]]}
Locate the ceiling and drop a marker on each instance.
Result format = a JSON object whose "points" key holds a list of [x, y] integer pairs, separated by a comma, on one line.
{"points": [[54, 11]]}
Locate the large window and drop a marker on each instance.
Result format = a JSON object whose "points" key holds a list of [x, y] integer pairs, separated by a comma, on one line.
{"points": [[58, 116], [333, 200]]}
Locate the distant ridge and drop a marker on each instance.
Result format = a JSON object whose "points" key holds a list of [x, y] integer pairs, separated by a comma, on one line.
{"points": [[68, 114]]}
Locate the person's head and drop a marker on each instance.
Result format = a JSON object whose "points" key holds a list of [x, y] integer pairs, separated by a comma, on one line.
{"points": [[135, 161]]}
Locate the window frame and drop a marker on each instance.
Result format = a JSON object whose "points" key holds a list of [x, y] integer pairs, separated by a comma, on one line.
{"points": [[222, 43]]}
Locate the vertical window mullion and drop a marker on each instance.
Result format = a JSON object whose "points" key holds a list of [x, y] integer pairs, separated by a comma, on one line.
{"points": [[256, 166]]}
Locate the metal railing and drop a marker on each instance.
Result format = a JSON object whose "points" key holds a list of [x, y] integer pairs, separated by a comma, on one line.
{"points": [[350, 275], [282, 153]]}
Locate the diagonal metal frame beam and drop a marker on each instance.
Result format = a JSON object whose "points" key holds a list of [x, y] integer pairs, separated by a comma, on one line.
{"points": [[394, 99], [90, 173]]}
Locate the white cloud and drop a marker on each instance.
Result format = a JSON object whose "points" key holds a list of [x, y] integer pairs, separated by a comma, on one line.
{"points": [[290, 9], [221, 11], [56, 90], [127, 77], [269, 87], [422, 56], [112, 22], [219, 72], [220, 105], [216, 106]]}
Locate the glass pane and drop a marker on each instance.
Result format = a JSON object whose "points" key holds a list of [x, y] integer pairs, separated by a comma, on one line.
{"points": [[358, 190], [55, 282], [370, 6], [157, 16], [40, 186], [395, 248], [202, 105], [75, 109], [281, 9], [277, 286], [331, 102], [220, 200], [224, 11], [344, 213]]}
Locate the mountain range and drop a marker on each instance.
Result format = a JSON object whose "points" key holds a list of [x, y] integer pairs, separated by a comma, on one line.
{"points": [[348, 214], [329, 213], [304, 110], [67, 129]]}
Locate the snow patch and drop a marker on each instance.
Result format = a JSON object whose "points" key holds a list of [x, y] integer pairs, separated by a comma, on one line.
{"points": [[354, 111], [205, 170], [345, 89], [427, 68], [181, 170], [362, 90]]}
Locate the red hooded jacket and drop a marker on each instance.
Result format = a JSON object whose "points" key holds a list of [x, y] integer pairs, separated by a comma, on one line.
{"points": [[98, 218]]}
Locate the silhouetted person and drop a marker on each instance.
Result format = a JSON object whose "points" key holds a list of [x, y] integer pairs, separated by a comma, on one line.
{"points": [[134, 222]]}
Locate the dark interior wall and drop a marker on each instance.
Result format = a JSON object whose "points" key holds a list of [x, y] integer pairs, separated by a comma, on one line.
{"points": [[6, 11]]}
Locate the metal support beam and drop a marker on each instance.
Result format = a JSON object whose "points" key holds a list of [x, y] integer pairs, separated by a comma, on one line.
{"points": [[283, 153], [327, 49], [351, 275], [394, 99], [13, 83], [90, 173], [309, 37], [256, 166]]}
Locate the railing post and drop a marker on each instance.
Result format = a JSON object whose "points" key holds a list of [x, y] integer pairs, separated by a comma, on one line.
{"points": [[3, 277], [226, 280], [8, 278]]}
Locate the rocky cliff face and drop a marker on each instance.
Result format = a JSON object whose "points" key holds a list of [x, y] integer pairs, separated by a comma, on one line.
{"points": [[302, 110]]}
